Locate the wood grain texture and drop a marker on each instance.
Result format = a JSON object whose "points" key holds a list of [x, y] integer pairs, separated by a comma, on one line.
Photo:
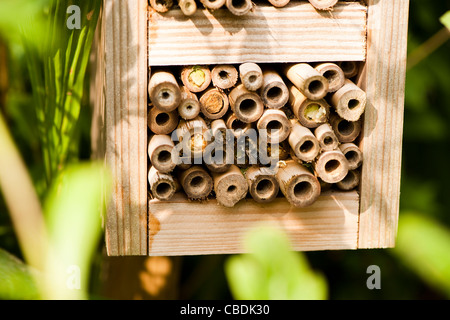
{"points": [[126, 112], [295, 33], [384, 81], [193, 228]]}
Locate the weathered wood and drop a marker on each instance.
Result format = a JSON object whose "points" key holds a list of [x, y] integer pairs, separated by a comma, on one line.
{"points": [[294, 33], [384, 83], [126, 130], [331, 223]]}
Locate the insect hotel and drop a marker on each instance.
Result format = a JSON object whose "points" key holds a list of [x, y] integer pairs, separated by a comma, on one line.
{"points": [[216, 116]]}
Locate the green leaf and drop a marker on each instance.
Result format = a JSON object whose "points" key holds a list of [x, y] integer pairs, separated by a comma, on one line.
{"points": [[445, 19], [424, 246], [17, 280], [272, 271], [73, 214]]}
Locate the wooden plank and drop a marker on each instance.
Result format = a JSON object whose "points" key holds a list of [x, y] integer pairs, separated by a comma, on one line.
{"points": [[126, 138], [384, 83], [180, 227], [294, 33]]}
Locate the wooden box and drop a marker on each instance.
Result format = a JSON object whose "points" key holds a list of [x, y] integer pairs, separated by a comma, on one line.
{"points": [[134, 38]]}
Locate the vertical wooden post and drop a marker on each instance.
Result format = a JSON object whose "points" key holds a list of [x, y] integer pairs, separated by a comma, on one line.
{"points": [[126, 129], [384, 82]]}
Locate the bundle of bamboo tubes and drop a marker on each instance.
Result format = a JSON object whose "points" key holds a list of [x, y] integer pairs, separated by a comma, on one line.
{"points": [[236, 7], [259, 131]]}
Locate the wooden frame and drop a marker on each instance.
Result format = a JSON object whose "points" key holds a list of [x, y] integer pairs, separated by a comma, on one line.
{"points": [[377, 34]]}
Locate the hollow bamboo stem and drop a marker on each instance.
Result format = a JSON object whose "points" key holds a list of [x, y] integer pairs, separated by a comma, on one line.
{"points": [[214, 104], [160, 153], [323, 4], [224, 76], [274, 91], [350, 182], [188, 7], [251, 75], [239, 7], [162, 185], [196, 183], [160, 122], [230, 187], [164, 91], [303, 142], [349, 101], [189, 107], [213, 4], [262, 183], [334, 74], [300, 187], [308, 80], [196, 78], [310, 113], [346, 131], [326, 137], [246, 105], [277, 125], [350, 68], [353, 155], [237, 126], [279, 3], [161, 5], [331, 166]]}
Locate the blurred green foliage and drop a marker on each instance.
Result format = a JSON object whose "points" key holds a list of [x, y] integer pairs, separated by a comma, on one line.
{"points": [[272, 271]]}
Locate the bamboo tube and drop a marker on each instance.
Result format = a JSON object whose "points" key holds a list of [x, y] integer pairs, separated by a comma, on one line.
{"points": [[196, 183], [310, 113], [237, 126], [196, 78], [230, 186], [224, 76], [300, 187], [326, 137], [331, 166], [349, 101], [350, 68], [251, 75], [162, 185], [239, 7], [323, 4], [308, 80], [160, 153], [164, 91], [277, 125], [279, 3], [246, 105], [262, 183], [160, 122], [273, 92], [213, 4], [214, 104], [194, 131], [188, 7], [350, 182], [353, 155], [324, 186], [189, 107], [218, 127], [303, 142], [161, 5], [216, 158], [346, 131], [334, 74]]}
